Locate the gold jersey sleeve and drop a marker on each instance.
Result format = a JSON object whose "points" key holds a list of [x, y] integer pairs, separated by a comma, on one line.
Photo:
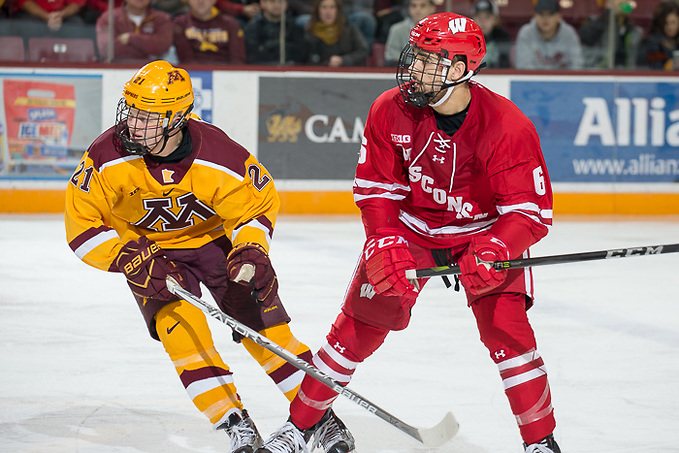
{"points": [[220, 189]]}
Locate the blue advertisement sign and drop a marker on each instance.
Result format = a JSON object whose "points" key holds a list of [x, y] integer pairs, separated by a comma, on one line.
{"points": [[609, 132], [202, 92]]}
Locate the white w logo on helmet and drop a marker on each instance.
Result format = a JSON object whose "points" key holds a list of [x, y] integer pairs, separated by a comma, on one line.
{"points": [[457, 25]]}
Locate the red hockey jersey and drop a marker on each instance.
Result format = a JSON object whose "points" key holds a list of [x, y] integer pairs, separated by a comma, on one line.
{"points": [[490, 176]]}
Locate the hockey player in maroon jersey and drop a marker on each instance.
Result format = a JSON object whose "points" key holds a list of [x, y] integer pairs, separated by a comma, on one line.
{"points": [[448, 172], [161, 193]]}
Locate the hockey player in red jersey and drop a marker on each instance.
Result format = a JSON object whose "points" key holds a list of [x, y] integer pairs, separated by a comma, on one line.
{"points": [[162, 193], [448, 172]]}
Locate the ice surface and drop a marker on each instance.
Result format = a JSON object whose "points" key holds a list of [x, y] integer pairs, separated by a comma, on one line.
{"points": [[79, 373]]}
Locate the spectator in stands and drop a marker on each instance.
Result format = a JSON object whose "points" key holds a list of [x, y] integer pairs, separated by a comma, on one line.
{"points": [[498, 42], [387, 13], [172, 7], [206, 35], [49, 18], [334, 41], [359, 12], [262, 36], [140, 33], [547, 42], [663, 37], [400, 32], [95, 8], [3, 14], [244, 12], [594, 35]]}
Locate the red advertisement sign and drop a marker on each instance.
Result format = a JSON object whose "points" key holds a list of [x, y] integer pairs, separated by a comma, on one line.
{"points": [[39, 119]]}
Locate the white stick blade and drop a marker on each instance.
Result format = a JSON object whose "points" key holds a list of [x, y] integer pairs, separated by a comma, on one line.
{"points": [[441, 433]]}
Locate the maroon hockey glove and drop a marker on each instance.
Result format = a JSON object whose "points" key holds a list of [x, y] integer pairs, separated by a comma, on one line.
{"points": [[264, 281], [146, 268], [477, 275], [386, 258]]}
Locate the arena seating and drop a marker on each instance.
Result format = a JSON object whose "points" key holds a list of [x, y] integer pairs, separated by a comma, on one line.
{"points": [[12, 48], [61, 50]]}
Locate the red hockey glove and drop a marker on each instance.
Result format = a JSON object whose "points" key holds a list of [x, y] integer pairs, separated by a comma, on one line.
{"points": [[477, 275], [387, 257], [264, 281], [146, 268]]}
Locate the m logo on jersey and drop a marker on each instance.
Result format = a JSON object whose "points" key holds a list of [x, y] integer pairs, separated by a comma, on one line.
{"points": [[457, 25], [159, 216]]}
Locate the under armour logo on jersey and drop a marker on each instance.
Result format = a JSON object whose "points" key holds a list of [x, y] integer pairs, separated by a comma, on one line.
{"points": [[438, 159], [341, 349], [499, 354], [457, 25]]}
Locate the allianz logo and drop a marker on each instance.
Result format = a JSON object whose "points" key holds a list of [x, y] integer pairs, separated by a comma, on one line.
{"points": [[633, 122]]}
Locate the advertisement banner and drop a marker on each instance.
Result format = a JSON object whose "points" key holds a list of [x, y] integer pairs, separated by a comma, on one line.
{"points": [[47, 122], [202, 92], [611, 132], [311, 128]]}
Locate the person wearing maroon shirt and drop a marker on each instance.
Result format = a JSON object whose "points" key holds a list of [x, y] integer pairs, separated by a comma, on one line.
{"points": [[206, 35], [448, 172], [140, 32]]}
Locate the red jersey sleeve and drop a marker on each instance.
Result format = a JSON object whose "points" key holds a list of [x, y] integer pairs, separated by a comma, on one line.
{"points": [[381, 179], [518, 177]]}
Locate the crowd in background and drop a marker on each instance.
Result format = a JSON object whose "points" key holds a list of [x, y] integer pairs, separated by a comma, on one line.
{"points": [[339, 33]]}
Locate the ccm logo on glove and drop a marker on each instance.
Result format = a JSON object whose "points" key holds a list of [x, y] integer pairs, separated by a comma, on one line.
{"points": [[386, 260]]}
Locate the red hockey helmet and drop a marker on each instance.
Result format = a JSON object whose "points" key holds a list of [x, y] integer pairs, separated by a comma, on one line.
{"points": [[449, 34], [435, 41]]}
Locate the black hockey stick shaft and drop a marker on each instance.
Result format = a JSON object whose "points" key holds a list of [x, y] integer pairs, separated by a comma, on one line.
{"points": [[431, 437], [553, 259]]}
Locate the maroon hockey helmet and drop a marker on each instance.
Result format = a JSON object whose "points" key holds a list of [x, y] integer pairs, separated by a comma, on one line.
{"points": [[437, 40]]}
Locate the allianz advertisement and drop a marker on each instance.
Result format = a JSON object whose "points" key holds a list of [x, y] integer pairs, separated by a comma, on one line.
{"points": [[618, 131]]}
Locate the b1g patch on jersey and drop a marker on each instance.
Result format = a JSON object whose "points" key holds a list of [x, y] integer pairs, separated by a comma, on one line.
{"points": [[400, 139]]}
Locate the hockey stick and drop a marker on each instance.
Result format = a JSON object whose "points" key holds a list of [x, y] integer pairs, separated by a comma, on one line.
{"points": [[431, 437], [553, 259]]}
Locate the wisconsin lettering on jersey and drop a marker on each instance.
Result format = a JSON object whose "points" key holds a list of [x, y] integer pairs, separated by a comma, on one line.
{"points": [[160, 217]]}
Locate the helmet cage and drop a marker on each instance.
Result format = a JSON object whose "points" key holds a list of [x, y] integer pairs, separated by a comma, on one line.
{"points": [[421, 75], [164, 125]]}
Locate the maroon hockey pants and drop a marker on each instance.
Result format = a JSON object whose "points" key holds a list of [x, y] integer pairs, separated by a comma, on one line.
{"points": [[504, 330]]}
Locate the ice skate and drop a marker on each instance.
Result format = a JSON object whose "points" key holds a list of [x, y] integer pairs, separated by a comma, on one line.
{"points": [[287, 439], [243, 433], [331, 434], [546, 445]]}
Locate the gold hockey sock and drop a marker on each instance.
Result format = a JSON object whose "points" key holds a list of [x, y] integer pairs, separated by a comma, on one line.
{"points": [[186, 336], [287, 377]]}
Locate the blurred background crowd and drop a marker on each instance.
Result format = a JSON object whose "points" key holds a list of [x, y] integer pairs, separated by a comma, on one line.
{"points": [[520, 34]]}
